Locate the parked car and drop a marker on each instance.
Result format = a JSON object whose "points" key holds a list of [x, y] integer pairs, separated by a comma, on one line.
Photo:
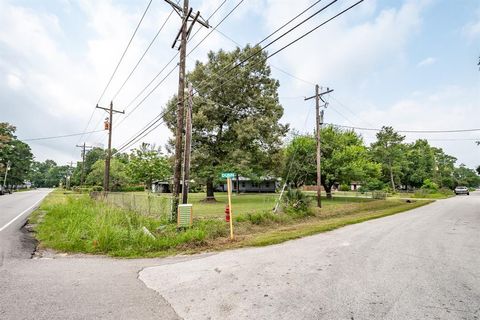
{"points": [[4, 190], [462, 190]]}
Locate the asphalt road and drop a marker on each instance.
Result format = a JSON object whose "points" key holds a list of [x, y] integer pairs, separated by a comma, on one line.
{"points": [[14, 210], [423, 264]]}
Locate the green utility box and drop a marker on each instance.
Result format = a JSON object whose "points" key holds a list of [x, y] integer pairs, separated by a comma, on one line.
{"points": [[185, 215]]}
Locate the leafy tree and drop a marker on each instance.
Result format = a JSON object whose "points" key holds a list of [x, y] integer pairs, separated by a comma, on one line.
{"points": [[91, 157], [390, 152], [118, 174], [300, 167], [15, 152], [235, 118], [344, 159], [47, 174], [420, 163], [444, 168], [478, 170], [466, 177], [147, 164]]}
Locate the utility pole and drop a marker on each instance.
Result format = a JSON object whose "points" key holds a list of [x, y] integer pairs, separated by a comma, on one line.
{"points": [[188, 145], [69, 175], [6, 173], [84, 150], [185, 14], [318, 124], [108, 126]]}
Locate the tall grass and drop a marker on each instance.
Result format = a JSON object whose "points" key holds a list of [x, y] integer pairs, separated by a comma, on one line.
{"points": [[81, 224]]}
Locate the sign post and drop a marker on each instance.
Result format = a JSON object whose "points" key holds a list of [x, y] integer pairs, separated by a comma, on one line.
{"points": [[229, 177]]}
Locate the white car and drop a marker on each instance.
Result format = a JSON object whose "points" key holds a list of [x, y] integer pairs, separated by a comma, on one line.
{"points": [[462, 190]]}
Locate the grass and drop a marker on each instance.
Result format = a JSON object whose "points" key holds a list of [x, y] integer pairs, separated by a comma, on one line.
{"points": [[77, 224]]}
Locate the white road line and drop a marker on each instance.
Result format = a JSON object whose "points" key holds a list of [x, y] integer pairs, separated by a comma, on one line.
{"points": [[21, 214]]}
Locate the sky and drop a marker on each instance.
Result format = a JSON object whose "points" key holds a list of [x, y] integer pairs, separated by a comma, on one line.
{"points": [[407, 64]]}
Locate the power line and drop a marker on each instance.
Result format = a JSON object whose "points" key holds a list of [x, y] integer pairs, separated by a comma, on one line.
{"points": [[273, 41], [167, 64], [124, 52], [320, 25], [408, 131], [58, 137], [118, 64], [218, 24], [143, 55], [276, 39]]}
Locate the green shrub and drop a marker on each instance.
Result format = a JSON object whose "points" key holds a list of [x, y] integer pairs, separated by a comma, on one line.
{"points": [[429, 186], [97, 188], [295, 201], [344, 187], [131, 188]]}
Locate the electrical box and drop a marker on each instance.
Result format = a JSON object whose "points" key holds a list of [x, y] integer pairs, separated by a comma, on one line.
{"points": [[185, 215]]}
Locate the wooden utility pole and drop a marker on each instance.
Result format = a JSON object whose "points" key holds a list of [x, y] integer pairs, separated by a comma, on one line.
{"points": [[185, 14], [109, 125], [318, 125], [69, 175], [84, 150], [188, 146]]}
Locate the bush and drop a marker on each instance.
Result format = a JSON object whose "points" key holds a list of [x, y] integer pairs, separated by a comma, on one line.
{"points": [[97, 188], [429, 186], [295, 201], [344, 187], [131, 188], [363, 189]]}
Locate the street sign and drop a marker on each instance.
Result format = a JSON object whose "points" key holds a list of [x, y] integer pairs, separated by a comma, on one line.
{"points": [[228, 175]]}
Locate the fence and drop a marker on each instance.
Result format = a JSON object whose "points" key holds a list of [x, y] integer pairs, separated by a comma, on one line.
{"points": [[151, 204]]}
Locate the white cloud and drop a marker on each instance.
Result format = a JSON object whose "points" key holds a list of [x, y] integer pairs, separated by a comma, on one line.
{"points": [[14, 81], [472, 29], [447, 108], [427, 62]]}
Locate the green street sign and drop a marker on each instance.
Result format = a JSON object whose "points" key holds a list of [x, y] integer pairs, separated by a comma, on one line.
{"points": [[228, 175]]}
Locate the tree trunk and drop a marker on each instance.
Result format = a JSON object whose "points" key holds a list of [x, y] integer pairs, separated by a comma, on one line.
{"points": [[328, 191], [238, 184], [391, 177], [210, 192]]}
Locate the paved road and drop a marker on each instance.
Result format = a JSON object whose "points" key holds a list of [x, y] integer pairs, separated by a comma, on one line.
{"points": [[424, 264], [14, 210], [67, 287]]}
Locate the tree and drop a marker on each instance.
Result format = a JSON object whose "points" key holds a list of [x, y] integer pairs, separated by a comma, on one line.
{"points": [[344, 159], [478, 170], [235, 117], [147, 164], [444, 168], [300, 167], [15, 152], [466, 177], [390, 152], [420, 163], [118, 174]]}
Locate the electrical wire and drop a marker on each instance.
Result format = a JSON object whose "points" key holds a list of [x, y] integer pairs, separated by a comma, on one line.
{"points": [[117, 66], [58, 137], [273, 41], [407, 131], [168, 63], [143, 55]]}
